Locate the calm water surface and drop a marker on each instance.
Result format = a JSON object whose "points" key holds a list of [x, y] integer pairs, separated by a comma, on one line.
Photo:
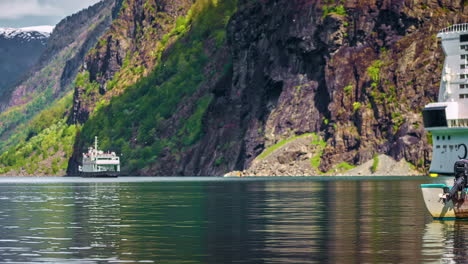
{"points": [[188, 220]]}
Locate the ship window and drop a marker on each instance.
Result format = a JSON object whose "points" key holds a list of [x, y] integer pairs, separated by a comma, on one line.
{"points": [[443, 137], [462, 86], [448, 137], [438, 137], [464, 38], [434, 117], [438, 147], [462, 76], [463, 56], [462, 66]]}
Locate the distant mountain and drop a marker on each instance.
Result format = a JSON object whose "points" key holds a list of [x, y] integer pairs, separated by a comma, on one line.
{"points": [[20, 48]]}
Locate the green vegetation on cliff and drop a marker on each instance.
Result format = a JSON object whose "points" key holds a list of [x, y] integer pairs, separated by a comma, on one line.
{"points": [[134, 123], [48, 146]]}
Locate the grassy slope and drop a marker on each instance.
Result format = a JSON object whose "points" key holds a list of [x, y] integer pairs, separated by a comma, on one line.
{"points": [[48, 145]]}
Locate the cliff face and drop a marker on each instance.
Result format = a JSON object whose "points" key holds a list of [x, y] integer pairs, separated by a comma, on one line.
{"points": [[128, 50], [357, 73]]}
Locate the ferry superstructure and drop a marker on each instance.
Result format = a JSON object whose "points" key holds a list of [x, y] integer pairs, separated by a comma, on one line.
{"points": [[97, 163], [447, 119]]}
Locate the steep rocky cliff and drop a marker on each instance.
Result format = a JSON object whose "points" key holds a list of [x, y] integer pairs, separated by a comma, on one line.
{"points": [[356, 73]]}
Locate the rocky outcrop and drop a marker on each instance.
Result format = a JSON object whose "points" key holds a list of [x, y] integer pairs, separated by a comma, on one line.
{"points": [[132, 39]]}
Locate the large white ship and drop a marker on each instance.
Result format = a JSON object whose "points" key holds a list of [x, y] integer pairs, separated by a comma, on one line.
{"points": [[447, 119], [97, 163]]}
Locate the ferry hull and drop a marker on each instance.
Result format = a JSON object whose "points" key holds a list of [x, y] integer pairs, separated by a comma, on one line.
{"points": [[100, 174], [457, 209]]}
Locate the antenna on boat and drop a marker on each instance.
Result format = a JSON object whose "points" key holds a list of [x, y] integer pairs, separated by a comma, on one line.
{"points": [[95, 142]]}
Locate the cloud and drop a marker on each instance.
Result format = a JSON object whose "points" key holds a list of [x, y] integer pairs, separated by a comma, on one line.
{"points": [[15, 9]]}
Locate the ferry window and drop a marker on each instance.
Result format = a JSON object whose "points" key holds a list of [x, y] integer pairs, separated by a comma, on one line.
{"points": [[462, 66], [443, 137], [448, 137], [463, 56], [464, 38], [462, 76], [437, 146], [461, 96], [438, 137], [462, 86]]}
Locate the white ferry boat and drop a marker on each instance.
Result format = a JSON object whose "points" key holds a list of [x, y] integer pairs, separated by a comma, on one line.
{"points": [[447, 119], [97, 163]]}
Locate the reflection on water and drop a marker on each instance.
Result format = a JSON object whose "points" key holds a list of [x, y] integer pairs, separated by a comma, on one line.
{"points": [[299, 221], [448, 239]]}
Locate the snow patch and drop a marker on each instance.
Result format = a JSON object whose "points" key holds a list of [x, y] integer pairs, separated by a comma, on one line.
{"points": [[27, 33]]}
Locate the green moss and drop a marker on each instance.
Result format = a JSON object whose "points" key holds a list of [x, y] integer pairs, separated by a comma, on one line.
{"points": [[219, 161], [340, 168], [281, 143], [192, 128], [339, 10], [320, 146], [375, 163], [356, 106], [374, 70], [348, 89]]}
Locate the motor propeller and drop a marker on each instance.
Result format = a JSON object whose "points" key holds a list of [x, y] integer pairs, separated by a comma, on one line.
{"points": [[460, 182]]}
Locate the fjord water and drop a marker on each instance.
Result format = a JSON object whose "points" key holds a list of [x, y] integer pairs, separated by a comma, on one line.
{"points": [[216, 220]]}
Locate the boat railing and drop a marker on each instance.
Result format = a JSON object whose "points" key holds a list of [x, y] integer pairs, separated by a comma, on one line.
{"points": [[455, 28], [458, 123]]}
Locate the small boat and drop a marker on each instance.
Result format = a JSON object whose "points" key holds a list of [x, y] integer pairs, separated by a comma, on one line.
{"points": [[449, 202], [97, 163]]}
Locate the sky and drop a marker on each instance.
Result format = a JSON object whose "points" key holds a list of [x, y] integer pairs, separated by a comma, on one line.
{"points": [[25, 13]]}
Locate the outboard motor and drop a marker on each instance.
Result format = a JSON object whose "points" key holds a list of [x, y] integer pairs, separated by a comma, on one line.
{"points": [[460, 182]]}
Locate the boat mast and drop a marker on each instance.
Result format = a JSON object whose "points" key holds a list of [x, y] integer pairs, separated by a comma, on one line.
{"points": [[95, 142]]}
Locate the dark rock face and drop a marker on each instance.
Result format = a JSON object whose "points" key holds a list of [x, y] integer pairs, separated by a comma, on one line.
{"points": [[297, 70]]}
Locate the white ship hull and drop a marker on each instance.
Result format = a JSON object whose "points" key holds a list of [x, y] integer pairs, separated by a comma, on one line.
{"points": [[100, 174]]}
